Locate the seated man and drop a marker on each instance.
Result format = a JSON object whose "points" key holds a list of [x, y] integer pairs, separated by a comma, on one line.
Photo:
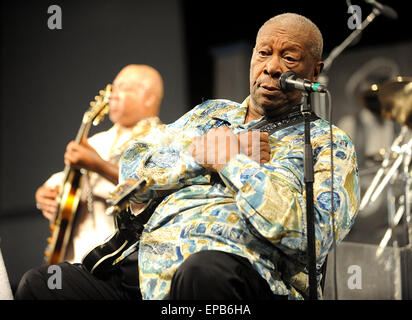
{"points": [[232, 220]]}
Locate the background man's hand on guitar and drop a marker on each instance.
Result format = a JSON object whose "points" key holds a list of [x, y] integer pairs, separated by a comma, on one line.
{"points": [[214, 149], [83, 156], [46, 200]]}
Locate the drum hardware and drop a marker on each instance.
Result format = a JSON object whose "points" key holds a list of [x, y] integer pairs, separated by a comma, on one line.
{"points": [[393, 99]]}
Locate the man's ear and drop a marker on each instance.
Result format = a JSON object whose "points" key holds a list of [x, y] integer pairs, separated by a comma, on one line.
{"points": [[318, 69], [149, 99], [151, 104]]}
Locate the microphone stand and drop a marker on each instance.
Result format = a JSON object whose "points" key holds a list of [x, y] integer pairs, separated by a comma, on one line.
{"points": [[338, 50], [310, 215], [407, 186], [405, 208], [393, 170], [384, 165], [323, 78]]}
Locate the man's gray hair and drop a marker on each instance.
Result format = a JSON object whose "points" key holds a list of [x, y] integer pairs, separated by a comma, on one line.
{"points": [[301, 22]]}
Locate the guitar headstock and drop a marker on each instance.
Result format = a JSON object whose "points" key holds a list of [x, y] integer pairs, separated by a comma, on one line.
{"points": [[99, 107]]}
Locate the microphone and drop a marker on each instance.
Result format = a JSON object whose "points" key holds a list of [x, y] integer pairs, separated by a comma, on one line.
{"points": [[289, 81], [385, 10]]}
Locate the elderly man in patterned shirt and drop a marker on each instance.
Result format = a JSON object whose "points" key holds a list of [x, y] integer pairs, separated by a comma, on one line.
{"points": [[231, 223]]}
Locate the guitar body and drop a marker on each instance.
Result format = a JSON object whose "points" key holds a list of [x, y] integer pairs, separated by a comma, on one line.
{"points": [[62, 227], [100, 260]]}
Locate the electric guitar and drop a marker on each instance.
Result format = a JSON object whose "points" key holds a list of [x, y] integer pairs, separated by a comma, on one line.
{"points": [[129, 226], [69, 196]]}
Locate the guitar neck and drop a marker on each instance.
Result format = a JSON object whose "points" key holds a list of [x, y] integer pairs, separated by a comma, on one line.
{"points": [[82, 132], [98, 109]]}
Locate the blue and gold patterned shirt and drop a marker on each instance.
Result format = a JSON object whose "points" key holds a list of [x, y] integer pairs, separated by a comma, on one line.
{"points": [[256, 211]]}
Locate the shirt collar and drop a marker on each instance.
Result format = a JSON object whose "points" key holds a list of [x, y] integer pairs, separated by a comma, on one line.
{"points": [[236, 116], [141, 126], [234, 113]]}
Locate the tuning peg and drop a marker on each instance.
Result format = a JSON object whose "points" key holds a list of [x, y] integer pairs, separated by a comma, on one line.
{"points": [[97, 120], [92, 103]]}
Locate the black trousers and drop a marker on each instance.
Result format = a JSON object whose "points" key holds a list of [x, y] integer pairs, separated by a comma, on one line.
{"points": [[206, 275], [79, 284]]}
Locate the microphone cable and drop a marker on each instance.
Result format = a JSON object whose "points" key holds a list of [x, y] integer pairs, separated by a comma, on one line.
{"points": [[332, 207]]}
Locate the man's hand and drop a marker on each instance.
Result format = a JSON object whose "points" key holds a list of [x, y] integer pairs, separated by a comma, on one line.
{"points": [[214, 149], [82, 156], [255, 145], [46, 201]]}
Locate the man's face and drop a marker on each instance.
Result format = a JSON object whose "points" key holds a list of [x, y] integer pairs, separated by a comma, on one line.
{"points": [[279, 49], [127, 100]]}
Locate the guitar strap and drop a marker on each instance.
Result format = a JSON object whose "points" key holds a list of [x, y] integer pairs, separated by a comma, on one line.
{"points": [[271, 125]]}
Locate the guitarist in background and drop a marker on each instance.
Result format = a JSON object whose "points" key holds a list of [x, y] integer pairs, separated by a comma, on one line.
{"points": [[134, 107]]}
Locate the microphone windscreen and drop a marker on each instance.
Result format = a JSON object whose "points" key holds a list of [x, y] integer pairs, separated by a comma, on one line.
{"points": [[282, 80]]}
